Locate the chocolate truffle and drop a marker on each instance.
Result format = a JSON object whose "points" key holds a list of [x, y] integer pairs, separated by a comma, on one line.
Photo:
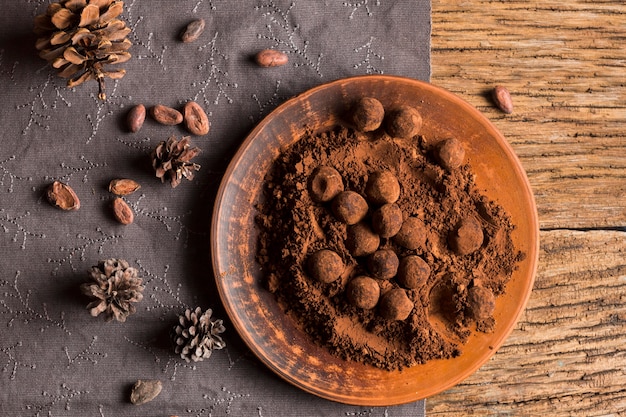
{"points": [[363, 292], [368, 114], [467, 237], [324, 184], [325, 266], [450, 153], [395, 305], [383, 264], [405, 122], [387, 220], [349, 207], [382, 188], [413, 272], [361, 240], [481, 303], [412, 234]]}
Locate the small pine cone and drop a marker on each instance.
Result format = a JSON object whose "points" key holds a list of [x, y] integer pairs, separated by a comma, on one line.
{"points": [[114, 287], [171, 160], [80, 37], [196, 335]]}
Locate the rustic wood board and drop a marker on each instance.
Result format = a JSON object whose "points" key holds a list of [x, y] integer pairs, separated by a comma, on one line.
{"points": [[565, 64]]}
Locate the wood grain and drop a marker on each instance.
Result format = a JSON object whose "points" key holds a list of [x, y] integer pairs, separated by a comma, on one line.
{"points": [[564, 62]]}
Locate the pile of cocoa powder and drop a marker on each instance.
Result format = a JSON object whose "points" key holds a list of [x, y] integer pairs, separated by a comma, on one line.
{"points": [[463, 238]]}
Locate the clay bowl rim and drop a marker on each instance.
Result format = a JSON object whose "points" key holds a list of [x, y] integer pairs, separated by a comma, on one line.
{"points": [[271, 335]]}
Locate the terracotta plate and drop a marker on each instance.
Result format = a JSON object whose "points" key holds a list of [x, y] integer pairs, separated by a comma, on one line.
{"points": [[269, 333]]}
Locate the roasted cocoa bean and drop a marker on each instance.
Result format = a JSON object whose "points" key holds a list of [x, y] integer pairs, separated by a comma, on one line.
{"points": [[196, 120], [166, 115], [122, 211], [502, 99], [271, 58], [123, 186], [192, 31], [145, 390], [62, 196], [136, 117]]}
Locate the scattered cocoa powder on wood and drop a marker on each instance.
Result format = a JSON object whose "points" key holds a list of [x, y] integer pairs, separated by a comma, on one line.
{"points": [[365, 315]]}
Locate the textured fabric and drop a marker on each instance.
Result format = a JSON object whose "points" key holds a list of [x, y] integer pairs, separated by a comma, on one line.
{"points": [[57, 360]]}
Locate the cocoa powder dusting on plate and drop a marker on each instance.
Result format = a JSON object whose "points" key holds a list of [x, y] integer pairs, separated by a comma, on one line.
{"points": [[294, 226]]}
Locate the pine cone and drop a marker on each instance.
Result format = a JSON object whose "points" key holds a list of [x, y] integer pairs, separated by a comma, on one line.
{"points": [[80, 37], [197, 335], [115, 286], [171, 160]]}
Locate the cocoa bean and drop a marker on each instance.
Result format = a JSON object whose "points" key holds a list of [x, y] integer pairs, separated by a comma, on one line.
{"points": [[123, 186], [166, 115], [192, 31], [196, 120], [271, 58], [145, 390], [502, 99], [136, 117], [122, 211], [62, 196]]}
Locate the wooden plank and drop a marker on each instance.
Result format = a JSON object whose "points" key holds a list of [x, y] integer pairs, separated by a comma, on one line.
{"points": [[567, 354]]}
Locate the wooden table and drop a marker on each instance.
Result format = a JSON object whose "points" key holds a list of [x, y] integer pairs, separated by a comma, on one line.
{"points": [[565, 65]]}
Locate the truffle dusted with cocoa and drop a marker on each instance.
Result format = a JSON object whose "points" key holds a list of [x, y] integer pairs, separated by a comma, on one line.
{"points": [[404, 122], [395, 305], [349, 207], [361, 240], [324, 184], [467, 237], [383, 264], [412, 234], [481, 303], [413, 272], [363, 292], [382, 188], [450, 153], [387, 220], [325, 266], [368, 114]]}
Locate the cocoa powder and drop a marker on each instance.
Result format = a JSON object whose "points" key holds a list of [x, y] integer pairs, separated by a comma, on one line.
{"points": [[441, 303]]}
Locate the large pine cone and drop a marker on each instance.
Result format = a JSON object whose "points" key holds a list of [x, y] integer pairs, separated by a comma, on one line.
{"points": [[196, 335], [114, 287], [80, 37], [172, 160]]}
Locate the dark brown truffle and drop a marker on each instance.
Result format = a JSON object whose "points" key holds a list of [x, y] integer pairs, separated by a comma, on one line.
{"points": [[467, 237], [413, 272], [387, 220], [412, 234], [349, 207], [383, 264], [450, 153], [395, 305], [325, 266], [324, 184], [481, 303], [382, 188], [361, 240], [363, 292], [368, 114], [405, 122]]}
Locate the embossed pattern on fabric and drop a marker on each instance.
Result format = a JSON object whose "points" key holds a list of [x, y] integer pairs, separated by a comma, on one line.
{"points": [[57, 360]]}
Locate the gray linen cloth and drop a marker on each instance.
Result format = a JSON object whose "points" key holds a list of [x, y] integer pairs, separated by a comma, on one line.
{"points": [[57, 360]]}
